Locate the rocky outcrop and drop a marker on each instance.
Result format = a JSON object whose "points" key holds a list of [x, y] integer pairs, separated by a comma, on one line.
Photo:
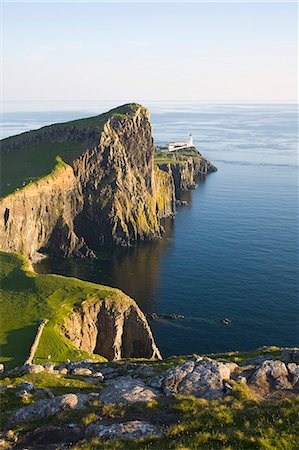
{"points": [[186, 170], [113, 328], [133, 429], [203, 377], [46, 408], [128, 390], [111, 191]]}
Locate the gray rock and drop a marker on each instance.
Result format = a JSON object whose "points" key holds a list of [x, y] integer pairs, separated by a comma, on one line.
{"points": [[257, 360], [33, 368], [125, 430], [46, 408], [294, 374], [156, 382], [203, 377], [49, 367], [82, 371], [289, 355], [127, 390], [271, 375], [99, 376], [26, 385], [3, 388]]}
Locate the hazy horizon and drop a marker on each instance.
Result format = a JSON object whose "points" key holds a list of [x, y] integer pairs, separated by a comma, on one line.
{"points": [[141, 52]]}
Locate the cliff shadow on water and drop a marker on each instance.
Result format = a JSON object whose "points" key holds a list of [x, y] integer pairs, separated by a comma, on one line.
{"points": [[135, 269]]}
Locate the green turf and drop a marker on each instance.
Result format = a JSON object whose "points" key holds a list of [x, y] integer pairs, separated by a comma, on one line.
{"points": [[27, 298], [28, 163], [175, 157]]}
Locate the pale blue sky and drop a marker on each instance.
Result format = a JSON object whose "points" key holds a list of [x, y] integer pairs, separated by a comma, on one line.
{"points": [[209, 52]]}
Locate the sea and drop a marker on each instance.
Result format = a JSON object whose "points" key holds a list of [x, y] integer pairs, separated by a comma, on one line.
{"points": [[232, 252]]}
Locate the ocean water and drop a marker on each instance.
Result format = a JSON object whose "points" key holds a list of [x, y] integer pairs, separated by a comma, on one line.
{"points": [[232, 252]]}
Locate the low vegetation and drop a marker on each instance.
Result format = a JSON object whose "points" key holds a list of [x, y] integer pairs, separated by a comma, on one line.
{"points": [[174, 157]]}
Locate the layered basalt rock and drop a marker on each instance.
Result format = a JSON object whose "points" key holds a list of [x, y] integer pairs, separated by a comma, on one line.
{"points": [[111, 329]]}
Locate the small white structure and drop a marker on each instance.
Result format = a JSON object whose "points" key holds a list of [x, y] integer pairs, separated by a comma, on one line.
{"points": [[180, 145]]}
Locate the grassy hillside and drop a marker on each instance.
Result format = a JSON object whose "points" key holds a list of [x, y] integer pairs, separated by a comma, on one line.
{"points": [[29, 162], [27, 298]]}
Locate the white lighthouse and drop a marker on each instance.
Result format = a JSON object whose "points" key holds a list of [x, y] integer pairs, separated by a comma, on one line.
{"points": [[180, 145], [190, 141]]}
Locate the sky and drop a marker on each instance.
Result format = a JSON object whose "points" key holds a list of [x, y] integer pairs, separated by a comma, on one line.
{"points": [[170, 51]]}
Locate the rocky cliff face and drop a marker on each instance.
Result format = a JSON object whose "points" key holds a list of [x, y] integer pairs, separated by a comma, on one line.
{"points": [[112, 330], [113, 192], [186, 170]]}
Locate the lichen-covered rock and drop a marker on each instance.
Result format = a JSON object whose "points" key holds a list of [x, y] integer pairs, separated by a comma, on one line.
{"points": [[293, 370], [127, 390], [82, 371], [202, 377], [46, 408], [271, 375], [33, 368], [125, 430]]}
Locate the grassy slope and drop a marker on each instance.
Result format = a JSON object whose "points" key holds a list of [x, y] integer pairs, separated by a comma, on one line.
{"points": [[20, 166], [27, 298], [175, 157]]}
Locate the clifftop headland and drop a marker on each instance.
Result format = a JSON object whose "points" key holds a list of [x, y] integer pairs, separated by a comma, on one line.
{"points": [[104, 188]]}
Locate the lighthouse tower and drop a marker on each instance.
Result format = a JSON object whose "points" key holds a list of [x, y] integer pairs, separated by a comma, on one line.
{"points": [[190, 141]]}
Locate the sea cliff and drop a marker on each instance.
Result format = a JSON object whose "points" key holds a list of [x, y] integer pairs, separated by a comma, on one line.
{"points": [[106, 189]]}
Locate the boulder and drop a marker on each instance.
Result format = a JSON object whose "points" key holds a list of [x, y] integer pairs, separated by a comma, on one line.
{"points": [[202, 377], [82, 371], [98, 376], [294, 374], [26, 385], [289, 355], [125, 430], [33, 368], [271, 375], [49, 367], [46, 408], [256, 360], [127, 390]]}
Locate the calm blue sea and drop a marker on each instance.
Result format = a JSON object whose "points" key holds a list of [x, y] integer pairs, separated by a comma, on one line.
{"points": [[233, 251]]}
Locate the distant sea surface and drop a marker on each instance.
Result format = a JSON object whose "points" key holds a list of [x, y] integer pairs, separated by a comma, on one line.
{"points": [[232, 252]]}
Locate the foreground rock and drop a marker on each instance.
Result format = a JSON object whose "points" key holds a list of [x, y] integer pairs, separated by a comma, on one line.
{"points": [[275, 376], [127, 390], [203, 378], [46, 408], [126, 430]]}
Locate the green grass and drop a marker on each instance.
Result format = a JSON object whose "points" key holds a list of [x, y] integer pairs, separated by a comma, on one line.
{"points": [[175, 157], [27, 298], [28, 163]]}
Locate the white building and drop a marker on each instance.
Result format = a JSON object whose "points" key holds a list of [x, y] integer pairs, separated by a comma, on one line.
{"points": [[180, 145]]}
